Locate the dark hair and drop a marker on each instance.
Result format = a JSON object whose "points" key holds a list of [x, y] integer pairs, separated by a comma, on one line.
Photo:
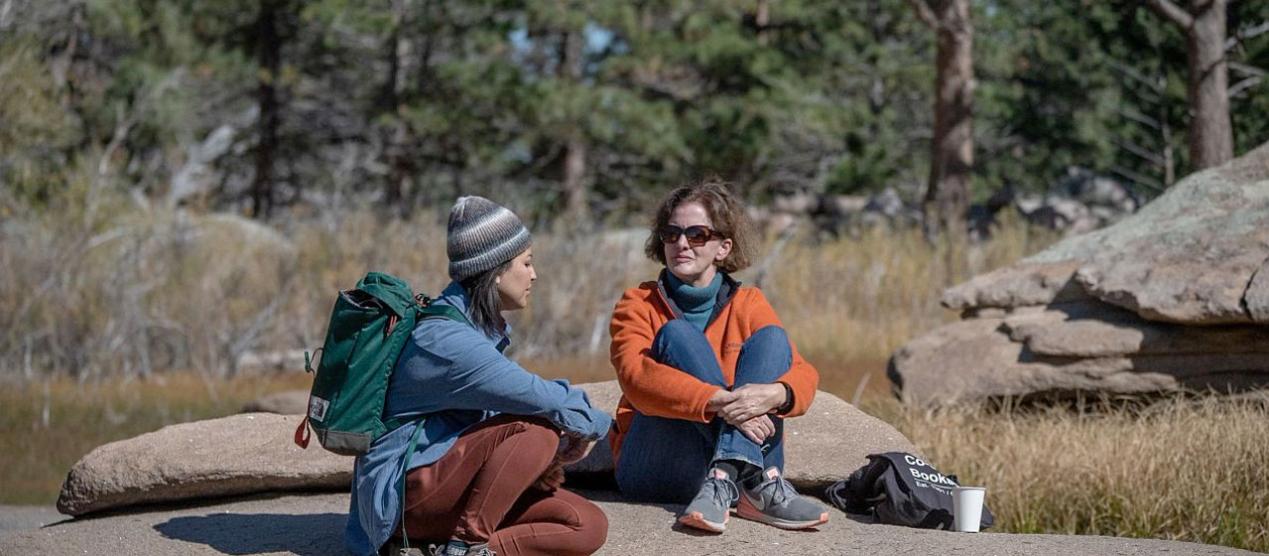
{"points": [[486, 306], [726, 213]]}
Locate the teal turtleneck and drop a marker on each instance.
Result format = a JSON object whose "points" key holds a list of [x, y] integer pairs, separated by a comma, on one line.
{"points": [[696, 302]]}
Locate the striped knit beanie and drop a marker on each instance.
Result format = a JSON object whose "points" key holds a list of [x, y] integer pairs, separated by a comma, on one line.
{"points": [[482, 235]]}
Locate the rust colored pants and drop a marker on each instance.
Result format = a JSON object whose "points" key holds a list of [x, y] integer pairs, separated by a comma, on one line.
{"points": [[479, 491]]}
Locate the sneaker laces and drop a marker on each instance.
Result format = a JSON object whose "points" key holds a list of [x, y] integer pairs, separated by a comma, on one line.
{"points": [[783, 491], [724, 487]]}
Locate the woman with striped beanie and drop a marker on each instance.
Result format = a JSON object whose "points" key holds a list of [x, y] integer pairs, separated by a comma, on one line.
{"points": [[485, 474]]}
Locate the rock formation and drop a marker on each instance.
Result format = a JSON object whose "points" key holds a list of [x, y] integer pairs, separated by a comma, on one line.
{"points": [[240, 454], [254, 452], [1170, 298]]}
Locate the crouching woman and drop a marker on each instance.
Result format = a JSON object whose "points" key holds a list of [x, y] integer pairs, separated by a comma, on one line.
{"points": [[483, 475]]}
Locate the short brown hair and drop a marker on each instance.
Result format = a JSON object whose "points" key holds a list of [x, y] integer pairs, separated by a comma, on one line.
{"points": [[726, 212]]}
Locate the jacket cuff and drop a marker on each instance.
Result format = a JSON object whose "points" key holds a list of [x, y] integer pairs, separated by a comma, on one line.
{"points": [[787, 406]]}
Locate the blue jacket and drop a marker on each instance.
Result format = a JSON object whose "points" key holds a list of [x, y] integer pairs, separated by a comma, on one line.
{"points": [[457, 377]]}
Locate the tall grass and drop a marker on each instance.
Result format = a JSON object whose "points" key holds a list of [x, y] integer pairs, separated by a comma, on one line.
{"points": [[127, 291], [1176, 469], [860, 298]]}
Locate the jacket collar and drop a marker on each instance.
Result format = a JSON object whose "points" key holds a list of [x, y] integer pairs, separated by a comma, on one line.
{"points": [[726, 291], [455, 295]]}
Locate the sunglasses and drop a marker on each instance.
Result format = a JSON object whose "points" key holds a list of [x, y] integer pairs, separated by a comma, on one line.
{"points": [[696, 235]]}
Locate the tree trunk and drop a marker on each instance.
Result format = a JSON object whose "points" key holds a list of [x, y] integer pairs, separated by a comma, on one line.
{"points": [[1211, 136], [574, 176], [396, 135], [268, 56], [952, 150], [576, 209]]}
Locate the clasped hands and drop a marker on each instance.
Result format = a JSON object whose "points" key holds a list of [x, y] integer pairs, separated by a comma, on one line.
{"points": [[572, 449], [746, 408]]}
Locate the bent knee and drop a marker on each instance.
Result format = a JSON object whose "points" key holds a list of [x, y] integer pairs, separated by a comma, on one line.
{"points": [[541, 433], [538, 436], [592, 528], [769, 336], [678, 332]]}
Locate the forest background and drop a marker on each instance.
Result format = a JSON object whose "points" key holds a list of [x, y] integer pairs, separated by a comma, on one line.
{"points": [[185, 184]]}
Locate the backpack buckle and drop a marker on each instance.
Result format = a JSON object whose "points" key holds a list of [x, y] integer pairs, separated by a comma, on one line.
{"points": [[308, 360]]}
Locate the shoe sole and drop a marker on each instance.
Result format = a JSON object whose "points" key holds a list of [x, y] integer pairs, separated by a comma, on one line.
{"points": [[696, 520], [746, 509]]}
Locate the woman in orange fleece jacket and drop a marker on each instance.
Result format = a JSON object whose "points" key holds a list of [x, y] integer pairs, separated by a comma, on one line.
{"points": [[707, 374]]}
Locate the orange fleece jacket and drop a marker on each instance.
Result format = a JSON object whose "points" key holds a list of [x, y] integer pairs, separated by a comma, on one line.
{"points": [[663, 391]]}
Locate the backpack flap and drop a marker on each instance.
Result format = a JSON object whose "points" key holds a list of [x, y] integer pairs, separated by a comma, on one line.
{"points": [[391, 291]]}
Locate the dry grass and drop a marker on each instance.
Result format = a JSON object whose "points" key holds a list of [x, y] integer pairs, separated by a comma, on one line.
{"points": [[46, 426], [1177, 469], [119, 291], [100, 301], [861, 298]]}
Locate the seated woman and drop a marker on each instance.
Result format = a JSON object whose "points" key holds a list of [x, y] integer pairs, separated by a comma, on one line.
{"points": [[707, 374], [486, 468]]}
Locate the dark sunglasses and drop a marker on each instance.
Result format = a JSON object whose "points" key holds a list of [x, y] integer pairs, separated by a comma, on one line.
{"points": [[696, 235]]}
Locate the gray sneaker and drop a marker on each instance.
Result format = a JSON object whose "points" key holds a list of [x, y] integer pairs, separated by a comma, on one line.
{"points": [[459, 548], [710, 509], [776, 503]]}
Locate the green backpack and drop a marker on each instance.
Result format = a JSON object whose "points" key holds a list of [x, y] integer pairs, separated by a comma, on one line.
{"points": [[368, 329]]}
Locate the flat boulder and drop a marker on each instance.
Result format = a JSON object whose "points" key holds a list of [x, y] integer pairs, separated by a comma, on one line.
{"points": [[823, 446], [1174, 297], [314, 525], [1190, 256], [1051, 352], [1017, 286], [1053, 332], [239, 454]]}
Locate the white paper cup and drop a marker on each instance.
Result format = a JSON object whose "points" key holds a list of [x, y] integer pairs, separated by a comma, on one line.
{"points": [[967, 513]]}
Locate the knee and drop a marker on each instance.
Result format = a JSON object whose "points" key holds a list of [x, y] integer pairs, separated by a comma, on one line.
{"points": [[769, 338], [541, 437], [542, 433], [769, 341], [592, 528], [677, 332]]}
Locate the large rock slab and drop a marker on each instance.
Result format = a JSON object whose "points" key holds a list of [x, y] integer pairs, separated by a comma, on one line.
{"points": [[1173, 297], [253, 452], [1189, 256], [1053, 331], [822, 447], [233, 455], [20, 518], [313, 525], [1017, 286], [976, 360]]}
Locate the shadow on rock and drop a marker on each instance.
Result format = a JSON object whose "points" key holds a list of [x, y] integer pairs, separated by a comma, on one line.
{"points": [[306, 535]]}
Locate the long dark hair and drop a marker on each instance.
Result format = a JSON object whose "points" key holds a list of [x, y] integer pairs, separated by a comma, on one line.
{"points": [[486, 306]]}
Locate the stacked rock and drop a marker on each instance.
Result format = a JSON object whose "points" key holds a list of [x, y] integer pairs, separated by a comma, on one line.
{"points": [[1174, 297]]}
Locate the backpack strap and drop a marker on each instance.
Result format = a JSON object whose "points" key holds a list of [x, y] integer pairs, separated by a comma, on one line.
{"points": [[439, 310], [405, 468]]}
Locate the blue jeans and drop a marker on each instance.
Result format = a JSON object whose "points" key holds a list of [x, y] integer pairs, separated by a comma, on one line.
{"points": [[666, 460]]}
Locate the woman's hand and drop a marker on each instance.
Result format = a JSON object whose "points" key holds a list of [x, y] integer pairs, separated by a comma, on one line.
{"points": [[552, 478], [752, 400], [758, 429], [573, 449], [719, 400]]}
